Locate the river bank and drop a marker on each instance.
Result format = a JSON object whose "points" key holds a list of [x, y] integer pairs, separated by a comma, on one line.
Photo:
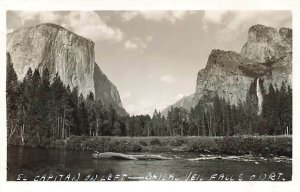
{"points": [[234, 145]]}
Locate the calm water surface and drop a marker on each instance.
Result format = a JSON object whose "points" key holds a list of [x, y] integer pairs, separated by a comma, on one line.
{"points": [[38, 162]]}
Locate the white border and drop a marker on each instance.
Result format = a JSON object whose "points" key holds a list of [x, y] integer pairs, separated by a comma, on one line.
{"points": [[293, 5]]}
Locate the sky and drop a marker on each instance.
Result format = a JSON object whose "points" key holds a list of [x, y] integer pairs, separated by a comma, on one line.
{"points": [[153, 57]]}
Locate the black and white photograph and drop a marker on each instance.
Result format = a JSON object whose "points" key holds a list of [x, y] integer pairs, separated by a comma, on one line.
{"points": [[149, 95]]}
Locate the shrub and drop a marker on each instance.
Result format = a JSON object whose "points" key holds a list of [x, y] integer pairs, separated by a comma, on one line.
{"points": [[143, 143], [258, 146], [100, 144], [122, 146], [45, 142], [281, 146], [117, 146], [204, 145], [177, 142], [236, 145], [134, 147], [57, 144], [230, 145], [155, 141], [75, 142]]}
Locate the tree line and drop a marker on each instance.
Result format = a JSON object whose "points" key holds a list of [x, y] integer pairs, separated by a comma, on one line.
{"points": [[41, 109], [214, 116]]}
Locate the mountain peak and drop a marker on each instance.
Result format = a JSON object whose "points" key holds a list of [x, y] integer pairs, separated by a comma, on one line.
{"points": [[65, 53], [226, 62], [49, 29], [262, 34], [50, 25], [266, 44], [267, 54]]}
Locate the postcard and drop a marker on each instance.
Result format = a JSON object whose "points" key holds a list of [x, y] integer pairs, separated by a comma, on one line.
{"points": [[98, 92]]}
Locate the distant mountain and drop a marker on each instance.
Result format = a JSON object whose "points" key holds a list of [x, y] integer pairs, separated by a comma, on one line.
{"points": [[186, 102], [267, 55], [65, 53]]}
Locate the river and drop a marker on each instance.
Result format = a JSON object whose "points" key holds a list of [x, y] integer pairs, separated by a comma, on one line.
{"points": [[24, 163]]}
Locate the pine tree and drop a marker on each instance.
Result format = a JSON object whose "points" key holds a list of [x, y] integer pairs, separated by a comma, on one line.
{"points": [[25, 100], [44, 95], [35, 110], [82, 116], [12, 99], [251, 108], [74, 124], [283, 110], [289, 104], [90, 103], [113, 116], [57, 90]]}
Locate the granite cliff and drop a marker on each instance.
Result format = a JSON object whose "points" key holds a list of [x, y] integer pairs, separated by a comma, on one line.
{"points": [[267, 55], [61, 51]]}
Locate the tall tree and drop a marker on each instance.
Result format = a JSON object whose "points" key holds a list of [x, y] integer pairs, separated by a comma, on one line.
{"points": [[12, 99]]}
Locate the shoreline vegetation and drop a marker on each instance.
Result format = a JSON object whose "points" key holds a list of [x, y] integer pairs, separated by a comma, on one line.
{"points": [[266, 146]]}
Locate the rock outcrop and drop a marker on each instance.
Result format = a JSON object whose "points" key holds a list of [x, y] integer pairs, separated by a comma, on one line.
{"points": [[106, 91], [273, 49], [227, 74], [65, 53], [264, 44], [267, 55]]}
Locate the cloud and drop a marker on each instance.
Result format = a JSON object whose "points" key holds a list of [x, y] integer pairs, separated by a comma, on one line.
{"points": [[215, 17], [137, 44], [157, 16], [129, 15], [143, 106], [230, 24], [179, 96], [48, 16], [24, 16], [150, 76], [43, 17], [85, 23], [125, 95], [89, 24], [167, 79], [129, 44], [149, 38]]}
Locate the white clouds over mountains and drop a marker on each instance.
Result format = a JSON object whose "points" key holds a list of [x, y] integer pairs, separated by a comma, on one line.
{"points": [[94, 26], [157, 16], [227, 23], [215, 17], [85, 23], [138, 44], [90, 24]]}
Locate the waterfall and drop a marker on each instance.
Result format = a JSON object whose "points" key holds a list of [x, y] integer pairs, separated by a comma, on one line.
{"points": [[259, 97]]}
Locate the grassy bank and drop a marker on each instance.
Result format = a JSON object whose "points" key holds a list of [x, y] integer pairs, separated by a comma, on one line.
{"points": [[236, 145]]}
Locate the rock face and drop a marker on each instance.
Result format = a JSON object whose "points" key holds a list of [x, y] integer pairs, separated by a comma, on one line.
{"points": [[273, 49], [267, 55], [227, 74], [106, 91], [65, 53], [264, 44]]}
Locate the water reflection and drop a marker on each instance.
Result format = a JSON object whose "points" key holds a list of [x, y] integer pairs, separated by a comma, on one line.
{"points": [[36, 161]]}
